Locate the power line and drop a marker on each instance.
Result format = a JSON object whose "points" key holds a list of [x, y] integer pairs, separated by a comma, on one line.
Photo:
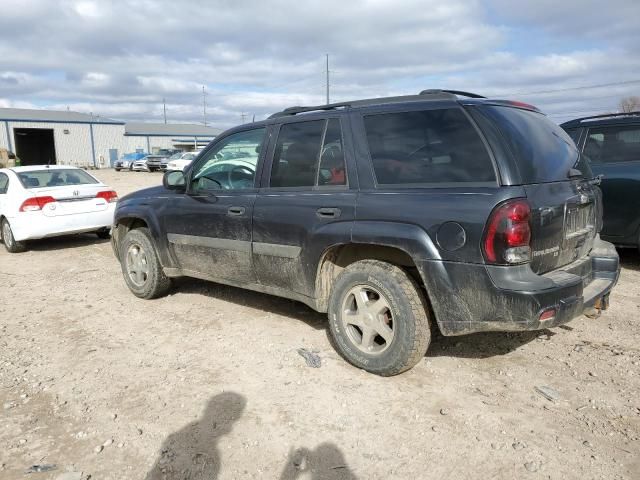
{"points": [[569, 89]]}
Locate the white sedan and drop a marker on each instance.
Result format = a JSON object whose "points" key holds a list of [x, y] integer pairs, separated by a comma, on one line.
{"points": [[47, 201], [140, 165], [180, 161]]}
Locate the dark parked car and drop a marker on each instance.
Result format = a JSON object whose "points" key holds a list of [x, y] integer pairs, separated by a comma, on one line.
{"points": [[611, 143], [393, 215]]}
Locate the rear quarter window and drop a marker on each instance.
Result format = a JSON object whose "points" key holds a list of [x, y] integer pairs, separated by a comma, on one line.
{"points": [[543, 151], [427, 147]]}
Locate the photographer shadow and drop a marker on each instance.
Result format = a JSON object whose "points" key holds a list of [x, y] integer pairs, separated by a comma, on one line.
{"points": [[192, 452], [325, 462]]}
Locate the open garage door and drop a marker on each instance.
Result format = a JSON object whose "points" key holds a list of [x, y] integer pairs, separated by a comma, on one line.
{"points": [[35, 146]]}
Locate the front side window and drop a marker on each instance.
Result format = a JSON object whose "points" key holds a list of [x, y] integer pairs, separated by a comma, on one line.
{"points": [[309, 154], [613, 144], [426, 147], [231, 164], [4, 183]]}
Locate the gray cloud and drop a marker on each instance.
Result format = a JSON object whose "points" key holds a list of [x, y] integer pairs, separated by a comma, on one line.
{"points": [[120, 59]]}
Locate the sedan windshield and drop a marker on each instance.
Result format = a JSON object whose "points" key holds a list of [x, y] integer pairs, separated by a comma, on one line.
{"points": [[55, 178]]}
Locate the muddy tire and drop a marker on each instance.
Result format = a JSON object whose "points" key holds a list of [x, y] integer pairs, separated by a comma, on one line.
{"points": [[378, 318], [140, 265], [7, 238]]}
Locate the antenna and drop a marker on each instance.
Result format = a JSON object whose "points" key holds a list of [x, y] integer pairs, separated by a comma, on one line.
{"points": [[243, 115]]}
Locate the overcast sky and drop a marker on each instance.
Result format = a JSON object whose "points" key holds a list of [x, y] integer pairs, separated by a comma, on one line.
{"points": [[119, 59]]}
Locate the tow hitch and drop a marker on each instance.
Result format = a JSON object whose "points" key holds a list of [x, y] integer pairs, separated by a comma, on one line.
{"points": [[600, 304]]}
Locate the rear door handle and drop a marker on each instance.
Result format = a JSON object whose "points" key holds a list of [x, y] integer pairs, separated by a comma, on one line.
{"points": [[236, 211], [328, 212]]}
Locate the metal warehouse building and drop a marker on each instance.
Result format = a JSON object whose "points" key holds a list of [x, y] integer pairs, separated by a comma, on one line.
{"points": [[70, 138]]}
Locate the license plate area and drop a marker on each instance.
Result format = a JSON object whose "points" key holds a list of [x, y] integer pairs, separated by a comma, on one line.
{"points": [[579, 221]]}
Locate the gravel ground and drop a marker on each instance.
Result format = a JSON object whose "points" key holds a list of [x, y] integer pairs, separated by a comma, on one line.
{"points": [[207, 383]]}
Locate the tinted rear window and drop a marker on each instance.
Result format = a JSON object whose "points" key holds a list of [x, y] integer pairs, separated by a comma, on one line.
{"points": [[544, 151], [426, 147], [613, 144], [55, 178]]}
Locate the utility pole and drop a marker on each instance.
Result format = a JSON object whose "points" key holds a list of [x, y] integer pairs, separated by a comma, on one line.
{"points": [[243, 115], [204, 106], [327, 79], [164, 110]]}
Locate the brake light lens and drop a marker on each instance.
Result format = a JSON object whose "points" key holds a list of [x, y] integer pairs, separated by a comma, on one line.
{"points": [[508, 233], [34, 204], [109, 195]]}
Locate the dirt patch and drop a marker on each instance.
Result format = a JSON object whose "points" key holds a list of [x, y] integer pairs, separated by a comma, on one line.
{"points": [[207, 383]]}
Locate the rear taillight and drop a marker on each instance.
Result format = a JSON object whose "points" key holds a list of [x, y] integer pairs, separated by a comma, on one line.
{"points": [[109, 195], [34, 204], [507, 234]]}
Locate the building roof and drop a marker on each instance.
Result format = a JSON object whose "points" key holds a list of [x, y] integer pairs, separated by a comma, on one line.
{"points": [[52, 116], [170, 129]]}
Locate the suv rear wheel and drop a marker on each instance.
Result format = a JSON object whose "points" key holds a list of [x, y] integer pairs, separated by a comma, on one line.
{"points": [[140, 265], [378, 318]]}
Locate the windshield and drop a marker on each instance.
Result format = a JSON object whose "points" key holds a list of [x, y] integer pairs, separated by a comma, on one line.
{"points": [[544, 151], [55, 178], [175, 156]]}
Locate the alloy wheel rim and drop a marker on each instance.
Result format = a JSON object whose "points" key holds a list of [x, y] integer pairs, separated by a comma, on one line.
{"points": [[368, 320], [137, 265], [6, 234]]}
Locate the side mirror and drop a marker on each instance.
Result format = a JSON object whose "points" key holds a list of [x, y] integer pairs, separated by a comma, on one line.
{"points": [[174, 180]]}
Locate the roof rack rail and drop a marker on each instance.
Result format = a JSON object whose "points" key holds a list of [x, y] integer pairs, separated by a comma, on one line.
{"points": [[432, 95], [608, 115], [433, 91], [313, 108]]}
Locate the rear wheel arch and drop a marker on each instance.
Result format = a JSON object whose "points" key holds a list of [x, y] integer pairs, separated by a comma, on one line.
{"points": [[336, 258]]}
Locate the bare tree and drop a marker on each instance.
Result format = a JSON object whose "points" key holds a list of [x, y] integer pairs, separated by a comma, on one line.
{"points": [[629, 104]]}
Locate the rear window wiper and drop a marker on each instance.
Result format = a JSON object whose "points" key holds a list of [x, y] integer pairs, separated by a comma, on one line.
{"points": [[574, 173]]}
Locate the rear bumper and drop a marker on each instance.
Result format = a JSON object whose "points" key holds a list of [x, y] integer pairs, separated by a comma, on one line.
{"points": [[35, 225], [477, 298]]}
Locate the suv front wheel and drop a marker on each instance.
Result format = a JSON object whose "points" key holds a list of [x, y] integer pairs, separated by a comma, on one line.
{"points": [[378, 318], [140, 265]]}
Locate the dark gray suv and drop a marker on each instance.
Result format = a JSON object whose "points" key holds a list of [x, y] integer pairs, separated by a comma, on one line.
{"points": [[393, 215]]}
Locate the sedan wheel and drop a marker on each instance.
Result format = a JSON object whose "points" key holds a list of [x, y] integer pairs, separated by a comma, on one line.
{"points": [[9, 242]]}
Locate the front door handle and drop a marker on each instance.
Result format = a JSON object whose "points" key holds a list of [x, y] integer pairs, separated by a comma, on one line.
{"points": [[236, 211], [328, 212]]}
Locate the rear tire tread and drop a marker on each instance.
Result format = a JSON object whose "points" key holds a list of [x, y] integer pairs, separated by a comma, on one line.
{"points": [[414, 299]]}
